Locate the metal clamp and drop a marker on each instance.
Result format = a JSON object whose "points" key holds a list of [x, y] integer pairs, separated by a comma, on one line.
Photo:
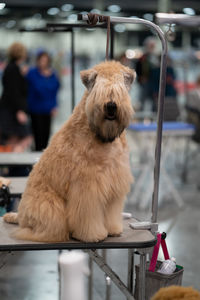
{"points": [[144, 226]]}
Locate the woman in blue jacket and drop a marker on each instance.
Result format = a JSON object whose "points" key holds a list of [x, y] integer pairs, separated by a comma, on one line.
{"points": [[43, 86]]}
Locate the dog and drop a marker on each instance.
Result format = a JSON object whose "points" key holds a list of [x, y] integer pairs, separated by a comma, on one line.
{"points": [[78, 187], [177, 293]]}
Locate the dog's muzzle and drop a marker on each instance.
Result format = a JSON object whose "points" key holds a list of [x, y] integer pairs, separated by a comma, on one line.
{"points": [[110, 110]]}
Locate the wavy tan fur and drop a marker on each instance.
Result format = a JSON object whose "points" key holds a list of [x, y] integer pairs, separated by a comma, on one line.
{"points": [[177, 293], [79, 185]]}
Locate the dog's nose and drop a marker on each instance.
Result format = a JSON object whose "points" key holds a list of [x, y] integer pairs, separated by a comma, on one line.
{"points": [[110, 109]]}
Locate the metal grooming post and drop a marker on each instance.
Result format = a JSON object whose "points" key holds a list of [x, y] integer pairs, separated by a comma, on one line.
{"points": [[163, 67], [179, 19], [73, 70]]}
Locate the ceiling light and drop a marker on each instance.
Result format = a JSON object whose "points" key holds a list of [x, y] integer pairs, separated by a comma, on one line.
{"points": [[120, 28], [10, 24], [114, 8], [95, 11], [67, 7], [189, 11], [53, 11], [37, 16], [148, 17], [72, 18], [130, 54], [84, 12], [2, 5]]}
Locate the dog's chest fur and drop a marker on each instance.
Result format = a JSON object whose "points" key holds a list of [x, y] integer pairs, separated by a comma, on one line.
{"points": [[103, 169]]}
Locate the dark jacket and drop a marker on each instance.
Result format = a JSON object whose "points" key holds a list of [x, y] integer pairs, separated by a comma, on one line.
{"points": [[14, 96]]}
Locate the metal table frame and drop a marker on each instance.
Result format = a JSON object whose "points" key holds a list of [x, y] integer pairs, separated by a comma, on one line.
{"points": [[100, 260]]}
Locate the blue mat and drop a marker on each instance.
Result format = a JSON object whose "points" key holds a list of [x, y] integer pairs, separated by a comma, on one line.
{"points": [[166, 126]]}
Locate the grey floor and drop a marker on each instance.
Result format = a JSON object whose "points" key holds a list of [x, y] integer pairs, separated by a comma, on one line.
{"points": [[34, 275]]}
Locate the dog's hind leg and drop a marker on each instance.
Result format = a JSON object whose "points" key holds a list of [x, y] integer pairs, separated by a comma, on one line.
{"points": [[29, 234], [42, 216], [11, 217]]}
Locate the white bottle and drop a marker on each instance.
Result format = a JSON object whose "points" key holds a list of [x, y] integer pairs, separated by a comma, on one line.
{"points": [[73, 267], [168, 266]]}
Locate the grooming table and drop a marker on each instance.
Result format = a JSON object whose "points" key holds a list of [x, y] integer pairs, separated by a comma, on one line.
{"points": [[130, 238], [142, 240], [147, 133], [13, 159]]}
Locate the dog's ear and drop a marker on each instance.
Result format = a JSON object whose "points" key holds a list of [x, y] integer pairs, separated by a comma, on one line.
{"points": [[129, 77], [88, 78]]}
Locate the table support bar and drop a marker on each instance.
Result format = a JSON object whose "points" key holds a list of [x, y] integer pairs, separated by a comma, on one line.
{"points": [[109, 272]]}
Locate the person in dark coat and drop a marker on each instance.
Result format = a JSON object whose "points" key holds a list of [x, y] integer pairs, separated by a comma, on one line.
{"points": [[14, 127], [144, 69], [193, 109], [43, 85]]}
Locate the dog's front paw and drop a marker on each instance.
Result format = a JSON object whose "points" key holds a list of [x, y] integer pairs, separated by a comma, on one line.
{"points": [[115, 230], [91, 237]]}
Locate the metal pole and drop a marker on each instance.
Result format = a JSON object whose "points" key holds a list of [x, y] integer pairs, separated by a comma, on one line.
{"points": [[112, 36], [73, 72], [161, 98], [107, 278], [181, 19], [113, 276], [161, 95], [142, 269], [130, 274], [90, 279]]}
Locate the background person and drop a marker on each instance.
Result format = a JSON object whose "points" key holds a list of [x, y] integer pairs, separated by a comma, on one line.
{"points": [[171, 108], [144, 68], [193, 109], [14, 126], [43, 86]]}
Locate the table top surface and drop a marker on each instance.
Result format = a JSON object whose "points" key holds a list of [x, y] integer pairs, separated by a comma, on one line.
{"points": [[19, 159], [130, 238]]}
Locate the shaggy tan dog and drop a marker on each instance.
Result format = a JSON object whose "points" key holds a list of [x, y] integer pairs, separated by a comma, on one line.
{"points": [[79, 185], [177, 293]]}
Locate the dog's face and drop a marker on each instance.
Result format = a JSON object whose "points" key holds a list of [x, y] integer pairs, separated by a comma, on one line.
{"points": [[108, 104]]}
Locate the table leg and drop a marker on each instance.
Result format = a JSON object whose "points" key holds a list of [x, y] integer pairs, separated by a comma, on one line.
{"points": [[107, 278], [142, 276], [109, 272], [130, 277], [90, 279]]}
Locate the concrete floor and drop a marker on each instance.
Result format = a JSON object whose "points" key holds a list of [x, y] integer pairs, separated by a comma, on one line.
{"points": [[34, 275]]}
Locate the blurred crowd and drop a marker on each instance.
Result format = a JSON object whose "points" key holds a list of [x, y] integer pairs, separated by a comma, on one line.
{"points": [[147, 68], [28, 101]]}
